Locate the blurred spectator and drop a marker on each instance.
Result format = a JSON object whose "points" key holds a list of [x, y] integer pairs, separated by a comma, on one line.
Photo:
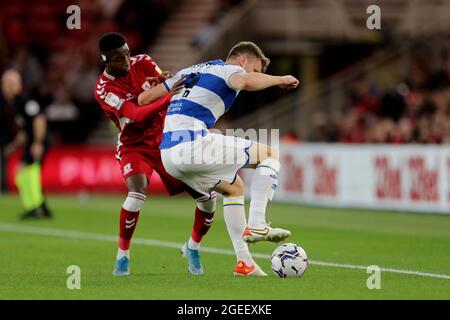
{"points": [[60, 68], [139, 21], [290, 137], [212, 28], [392, 105], [207, 32], [418, 73], [109, 8], [354, 127], [80, 81], [416, 110], [33, 136], [364, 95], [29, 66], [320, 128]]}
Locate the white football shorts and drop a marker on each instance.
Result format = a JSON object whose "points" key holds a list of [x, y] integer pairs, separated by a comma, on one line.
{"points": [[205, 161]]}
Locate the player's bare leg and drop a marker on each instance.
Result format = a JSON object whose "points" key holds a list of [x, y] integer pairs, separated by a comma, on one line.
{"points": [[129, 214], [266, 163], [234, 215]]}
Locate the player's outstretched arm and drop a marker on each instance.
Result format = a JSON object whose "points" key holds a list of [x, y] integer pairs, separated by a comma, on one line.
{"points": [[158, 91], [136, 112], [152, 94], [254, 81], [140, 113]]}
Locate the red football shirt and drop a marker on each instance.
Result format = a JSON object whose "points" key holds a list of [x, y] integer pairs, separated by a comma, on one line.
{"points": [[118, 98]]}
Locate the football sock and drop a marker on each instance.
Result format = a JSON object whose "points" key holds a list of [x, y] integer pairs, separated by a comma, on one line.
{"points": [[129, 215], [234, 215], [204, 217], [123, 253], [264, 183], [192, 244], [34, 175], [24, 186]]}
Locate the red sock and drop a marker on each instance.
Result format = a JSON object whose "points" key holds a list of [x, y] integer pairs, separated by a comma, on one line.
{"points": [[128, 221], [202, 223]]}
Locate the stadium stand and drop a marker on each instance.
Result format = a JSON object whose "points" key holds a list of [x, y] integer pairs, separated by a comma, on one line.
{"points": [[390, 87]]}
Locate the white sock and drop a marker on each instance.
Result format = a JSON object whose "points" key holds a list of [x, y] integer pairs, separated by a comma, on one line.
{"points": [[193, 245], [264, 183], [134, 201], [121, 253], [234, 215]]}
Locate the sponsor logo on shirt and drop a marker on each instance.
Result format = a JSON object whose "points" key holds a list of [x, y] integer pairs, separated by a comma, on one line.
{"points": [[127, 169], [114, 101]]}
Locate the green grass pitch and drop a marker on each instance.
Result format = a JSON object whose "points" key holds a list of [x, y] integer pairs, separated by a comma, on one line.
{"points": [[35, 257]]}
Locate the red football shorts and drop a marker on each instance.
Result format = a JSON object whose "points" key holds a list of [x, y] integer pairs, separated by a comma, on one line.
{"points": [[144, 161]]}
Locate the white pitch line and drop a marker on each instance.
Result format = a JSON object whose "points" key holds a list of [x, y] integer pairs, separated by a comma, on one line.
{"points": [[149, 242]]}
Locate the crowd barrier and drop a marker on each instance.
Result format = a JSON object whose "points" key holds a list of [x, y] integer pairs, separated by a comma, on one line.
{"points": [[395, 177], [81, 168]]}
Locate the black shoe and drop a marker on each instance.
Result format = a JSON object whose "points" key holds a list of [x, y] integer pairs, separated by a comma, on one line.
{"points": [[38, 213], [27, 215], [32, 214], [47, 212]]}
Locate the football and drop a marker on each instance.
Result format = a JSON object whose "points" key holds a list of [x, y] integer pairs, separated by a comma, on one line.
{"points": [[289, 260]]}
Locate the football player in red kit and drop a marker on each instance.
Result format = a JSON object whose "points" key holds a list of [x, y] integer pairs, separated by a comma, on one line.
{"points": [[140, 132]]}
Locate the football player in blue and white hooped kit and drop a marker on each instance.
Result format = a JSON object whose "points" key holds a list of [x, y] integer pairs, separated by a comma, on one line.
{"points": [[210, 89]]}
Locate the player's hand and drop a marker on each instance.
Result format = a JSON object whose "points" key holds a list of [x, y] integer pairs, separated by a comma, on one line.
{"points": [[289, 82], [165, 75], [177, 86], [37, 149], [157, 80], [153, 81]]}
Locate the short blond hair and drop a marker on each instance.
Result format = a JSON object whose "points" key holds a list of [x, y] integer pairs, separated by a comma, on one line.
{"points": [[248, 47]]}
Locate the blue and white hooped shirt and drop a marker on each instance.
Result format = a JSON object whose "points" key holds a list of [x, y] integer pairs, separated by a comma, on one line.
{"points": [[207, 95]]}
